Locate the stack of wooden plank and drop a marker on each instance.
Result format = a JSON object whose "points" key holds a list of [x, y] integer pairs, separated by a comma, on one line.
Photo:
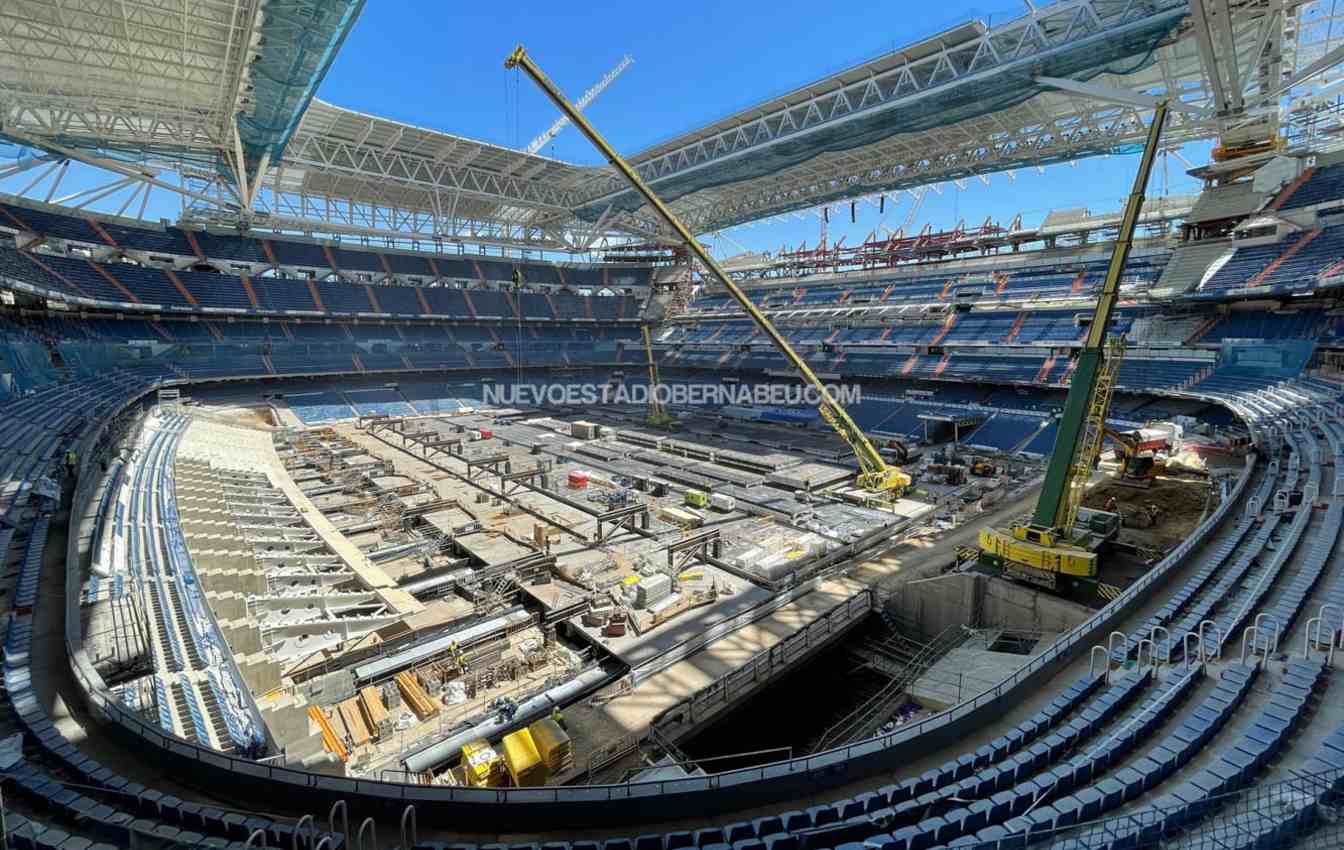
{"points": [[333, 742], [375, 713], [415, 696], [357, 731]]}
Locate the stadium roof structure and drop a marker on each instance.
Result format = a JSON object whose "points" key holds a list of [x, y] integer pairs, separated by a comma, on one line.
{"points": [[407, 178], [222, 92], [215, 87]]}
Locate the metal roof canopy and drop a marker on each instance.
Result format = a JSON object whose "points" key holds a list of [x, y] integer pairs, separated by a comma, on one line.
{"points": [[160, 75], [949, 39], [388, 175], [161, 82], [362, 172]]}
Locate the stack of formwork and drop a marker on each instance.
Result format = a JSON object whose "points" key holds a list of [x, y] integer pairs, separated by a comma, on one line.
{"points": [[522, 760], [375, 713], [774, 553], [553, 745], [356, 729], [482, 765], [584, 430], [652, 589]]}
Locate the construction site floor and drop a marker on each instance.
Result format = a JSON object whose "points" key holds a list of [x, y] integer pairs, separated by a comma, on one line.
{"points": [[625, 717]]}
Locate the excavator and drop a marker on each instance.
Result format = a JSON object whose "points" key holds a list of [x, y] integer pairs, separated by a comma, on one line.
{"points": [[880, 479], [1138, 463], [1057, 546]]}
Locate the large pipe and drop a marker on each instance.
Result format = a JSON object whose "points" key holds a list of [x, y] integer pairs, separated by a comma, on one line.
{"points": [[424, 650], [435, 582], [494, 728]]}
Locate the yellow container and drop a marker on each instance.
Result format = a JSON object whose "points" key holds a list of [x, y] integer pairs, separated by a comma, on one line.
{"points": [[553, 744], [482, 765], [522, 760]]}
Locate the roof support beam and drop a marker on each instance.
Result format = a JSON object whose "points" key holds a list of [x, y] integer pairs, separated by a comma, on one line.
{"points": [[1208, 57], [115, 167], [130, 199], [1271, 31], [52, 164], [56, 181], [26, 164], [1223, 16], [94, 193], [1111, 94], [1329, 60], [254, 186], [240, 170]]}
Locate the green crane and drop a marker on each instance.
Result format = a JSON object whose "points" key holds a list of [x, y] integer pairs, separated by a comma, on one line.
{"points": [[1049, 545]]}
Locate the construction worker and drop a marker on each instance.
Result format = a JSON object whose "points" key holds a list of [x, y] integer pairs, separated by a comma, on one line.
{"points": [[558, 716], [71, 461]]}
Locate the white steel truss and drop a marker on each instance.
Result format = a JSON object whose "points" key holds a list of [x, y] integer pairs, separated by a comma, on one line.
{"points": [[1053, 126], [166, 78], [964, 53]]}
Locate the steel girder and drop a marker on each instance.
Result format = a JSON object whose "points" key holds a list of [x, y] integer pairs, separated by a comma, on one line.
{"points": [[324, 158], [325, 214], [874, 88], [158, 77]]}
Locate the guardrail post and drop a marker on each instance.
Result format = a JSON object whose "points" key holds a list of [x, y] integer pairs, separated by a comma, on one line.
{"points": [[1152, 635], [1274, 646], [369, 825], [1332, 606], [1218, 654], [1110, 643], [1307, 640], [298, 828], [1310, 641], [414, 838], [1246, 633], [345, 820], [1105, 663], [1185, 648], [253, 837], [1138, 651]]}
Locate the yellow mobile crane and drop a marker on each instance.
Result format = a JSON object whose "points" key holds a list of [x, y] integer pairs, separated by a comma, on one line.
{"points": [[1061, 539], [658, 415], [875, 475]]}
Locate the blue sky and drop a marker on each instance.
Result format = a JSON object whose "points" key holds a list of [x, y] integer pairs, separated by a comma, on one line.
{"points": [[441, 66]]}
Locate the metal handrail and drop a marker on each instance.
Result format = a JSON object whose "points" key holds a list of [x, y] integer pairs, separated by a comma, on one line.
{"points": [[1217, 647], [1105, 663], [913, 669]]}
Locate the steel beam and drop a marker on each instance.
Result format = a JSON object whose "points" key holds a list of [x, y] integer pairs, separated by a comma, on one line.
{"points": [[1116, 95]]}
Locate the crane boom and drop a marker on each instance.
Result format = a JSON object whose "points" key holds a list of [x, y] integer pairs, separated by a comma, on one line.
{"points": [[582, 103], [875, 475], [658, 415], [1061, 472], [1048, 547]]}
